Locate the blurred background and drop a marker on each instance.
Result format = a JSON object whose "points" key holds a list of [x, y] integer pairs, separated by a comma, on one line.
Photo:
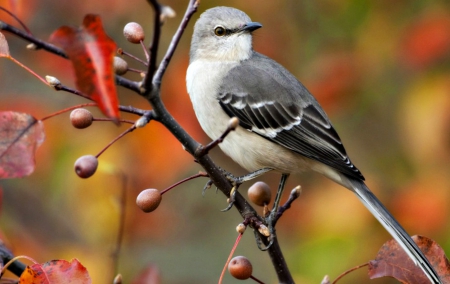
{"points": [[381, 70]]}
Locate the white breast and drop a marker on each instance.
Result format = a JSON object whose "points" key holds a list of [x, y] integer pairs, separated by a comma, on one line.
{"points": [[248, 149], [203, 78]]}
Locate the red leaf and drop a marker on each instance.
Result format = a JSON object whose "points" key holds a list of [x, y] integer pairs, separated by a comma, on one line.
{"points": [[56, 272], [4, 48], [91, 52], [392, 261], [20, 135]]}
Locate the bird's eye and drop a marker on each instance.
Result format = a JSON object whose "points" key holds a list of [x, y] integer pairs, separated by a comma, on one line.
{"points": [[220, 31]]}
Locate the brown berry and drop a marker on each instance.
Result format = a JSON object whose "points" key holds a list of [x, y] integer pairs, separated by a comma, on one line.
{"points": [[149, 199], [259, 193], [133, 32], [120, 65], [240, 267], [81, 118], [86, 166]]}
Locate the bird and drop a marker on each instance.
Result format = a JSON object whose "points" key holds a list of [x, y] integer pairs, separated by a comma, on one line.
{"points": [[282, 127]]}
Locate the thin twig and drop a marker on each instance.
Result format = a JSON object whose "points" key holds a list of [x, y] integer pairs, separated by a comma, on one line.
{"points": [[109, 119], [135, 70], [115, 139], [17, 19], [192, 8], [147, 56], [66, 110], [39, 43], [232, 124], [64, 88], [29, 70], [129, 109], [295, 193], [256, 279], [348, 271], [123, 52], [230, 256], [120, 231], [200, 174]]}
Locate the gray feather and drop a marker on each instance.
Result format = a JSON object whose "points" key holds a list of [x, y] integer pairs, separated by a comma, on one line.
{"points": [[295, 121]]}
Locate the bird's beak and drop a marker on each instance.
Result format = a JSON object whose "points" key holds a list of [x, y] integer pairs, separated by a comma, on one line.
{"points": [[250, 27]]}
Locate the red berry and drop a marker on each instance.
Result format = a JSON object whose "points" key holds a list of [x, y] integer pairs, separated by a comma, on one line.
{"points": [[259, 193], [149, 199], [86, 166], [133, 32], [240, 267], [81, 118]]}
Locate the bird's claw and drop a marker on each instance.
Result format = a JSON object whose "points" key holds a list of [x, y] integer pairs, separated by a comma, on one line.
{"points": [[259, 241], [206, 187], [231, 199]]}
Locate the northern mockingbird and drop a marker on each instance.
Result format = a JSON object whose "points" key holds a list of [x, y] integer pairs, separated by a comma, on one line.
{"points": [[282, 126]]}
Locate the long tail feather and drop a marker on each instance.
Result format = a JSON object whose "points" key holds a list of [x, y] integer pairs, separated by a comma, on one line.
{"points": [[394, 228]]}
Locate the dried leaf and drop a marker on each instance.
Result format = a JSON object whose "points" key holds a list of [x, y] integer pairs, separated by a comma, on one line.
{"points": [[91, 52], [392, 261], [20, 135], [4, 48], [56, 272]]}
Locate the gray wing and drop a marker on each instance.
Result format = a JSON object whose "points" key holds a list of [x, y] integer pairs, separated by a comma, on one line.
{"points": [[278, 107]]}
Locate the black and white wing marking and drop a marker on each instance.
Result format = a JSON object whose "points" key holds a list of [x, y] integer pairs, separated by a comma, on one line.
{"points": [[279, 108]]}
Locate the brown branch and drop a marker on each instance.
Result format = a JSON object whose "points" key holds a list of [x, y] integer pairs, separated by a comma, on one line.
{"points": [[40, 44], [192, 8], [147, 82]]}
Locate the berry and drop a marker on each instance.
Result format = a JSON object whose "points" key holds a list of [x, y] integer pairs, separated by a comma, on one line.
{"points": [[149, 199], [259, 193], [240, 267], [133, 32], [120, 66], [81, 118], [86, 166]]}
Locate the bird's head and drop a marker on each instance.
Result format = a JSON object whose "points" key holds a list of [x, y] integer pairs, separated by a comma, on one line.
{"points": [[224, 34]]}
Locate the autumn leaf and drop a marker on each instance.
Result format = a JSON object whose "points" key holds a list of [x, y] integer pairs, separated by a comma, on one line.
{"points": [[4, 48], [20, 135], [56, 272], [91, 52], [392, 261]]}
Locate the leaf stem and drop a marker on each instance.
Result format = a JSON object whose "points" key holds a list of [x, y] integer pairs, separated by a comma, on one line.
{"points": [[29, 70]]}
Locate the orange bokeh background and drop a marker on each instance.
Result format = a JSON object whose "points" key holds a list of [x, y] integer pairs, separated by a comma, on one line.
{"points": [[380, 69]]}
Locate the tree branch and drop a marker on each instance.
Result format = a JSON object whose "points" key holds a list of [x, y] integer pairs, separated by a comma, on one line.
{"points": [[150, 89], [40, 44], [192, 8], [147, 82], [215, 173]]}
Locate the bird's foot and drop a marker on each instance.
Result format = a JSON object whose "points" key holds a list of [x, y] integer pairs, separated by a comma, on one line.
{"points": [[237, 181]]}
